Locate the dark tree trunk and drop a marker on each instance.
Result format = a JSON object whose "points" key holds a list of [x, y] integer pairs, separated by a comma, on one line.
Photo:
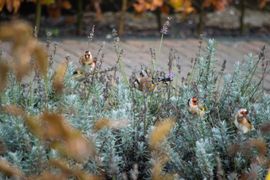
{"points": [[242, 16], [158, 18], [121, 27], [98, 10], [201, 23], [38, 17], [79, 17]]}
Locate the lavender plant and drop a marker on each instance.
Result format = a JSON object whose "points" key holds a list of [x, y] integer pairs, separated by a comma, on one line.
{"points": [[137, 134]]}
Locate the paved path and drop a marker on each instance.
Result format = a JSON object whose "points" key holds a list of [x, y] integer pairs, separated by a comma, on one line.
{"points": [[137, 52]]}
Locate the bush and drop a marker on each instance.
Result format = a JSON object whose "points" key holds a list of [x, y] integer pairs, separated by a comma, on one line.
{"points": [[115, 131]]}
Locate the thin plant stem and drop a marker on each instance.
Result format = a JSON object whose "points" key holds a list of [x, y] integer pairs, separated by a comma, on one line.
{"points": [[144, 115], [46, 86], [153, 64], [159, 50], [121, 67], [31, 93]]}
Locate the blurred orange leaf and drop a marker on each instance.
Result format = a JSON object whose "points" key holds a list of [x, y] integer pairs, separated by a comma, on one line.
{"points": [[58, 78], [106, 123], [262, 3], [22, 55], [2, 4], [260, 145], [160, 132], [24, 45], [13, 5], [101, 123], [55, 130], [219, 5], [76, 147], [165, 9], [13, 110], [184, 6], [66, 4], [9, 32], [143, 5], [55, 125], [66, 139], [16, 5], [41, 57], [62, 165], [34, 126], [3, 75], [7, 169]]}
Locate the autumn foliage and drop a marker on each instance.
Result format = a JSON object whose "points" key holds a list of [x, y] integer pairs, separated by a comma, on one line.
{"points": [[263, 3], [186, 6], [144, 5], [219, 5], [11, 5]]}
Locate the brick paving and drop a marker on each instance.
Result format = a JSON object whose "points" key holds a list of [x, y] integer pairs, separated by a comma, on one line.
{"points": [[137, 51]]}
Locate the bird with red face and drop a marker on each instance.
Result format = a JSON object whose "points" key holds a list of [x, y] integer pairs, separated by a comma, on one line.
{"points": [[242, 122], [88, 60], [194, 107]]}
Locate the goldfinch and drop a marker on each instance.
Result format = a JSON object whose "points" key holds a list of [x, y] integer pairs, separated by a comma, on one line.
{"points": [[145, 84], [195, 107], [87, 59], [78, 75], [145, 73], [242, 122]]}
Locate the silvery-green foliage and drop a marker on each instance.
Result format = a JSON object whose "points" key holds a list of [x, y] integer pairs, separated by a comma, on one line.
{"points": [[239, 162], [193, 144], [205, 157], [205, 71], [222, 136], [241, 86], [263, 109], [25, 151], [124, 108]]}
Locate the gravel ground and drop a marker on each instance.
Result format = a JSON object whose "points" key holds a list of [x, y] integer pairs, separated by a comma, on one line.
{"points": [[137, 51]]}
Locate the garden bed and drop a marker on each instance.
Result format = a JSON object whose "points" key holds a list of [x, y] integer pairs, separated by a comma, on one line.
{"points": [[76, 120]]}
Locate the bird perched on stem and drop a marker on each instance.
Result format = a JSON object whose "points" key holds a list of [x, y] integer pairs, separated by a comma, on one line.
{"points": [[144, 82], [195, 107], [87, 60], [242, 122], [79, 74]]}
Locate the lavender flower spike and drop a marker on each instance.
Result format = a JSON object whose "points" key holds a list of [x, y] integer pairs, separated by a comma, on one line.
{"points": [[166, 25]]}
